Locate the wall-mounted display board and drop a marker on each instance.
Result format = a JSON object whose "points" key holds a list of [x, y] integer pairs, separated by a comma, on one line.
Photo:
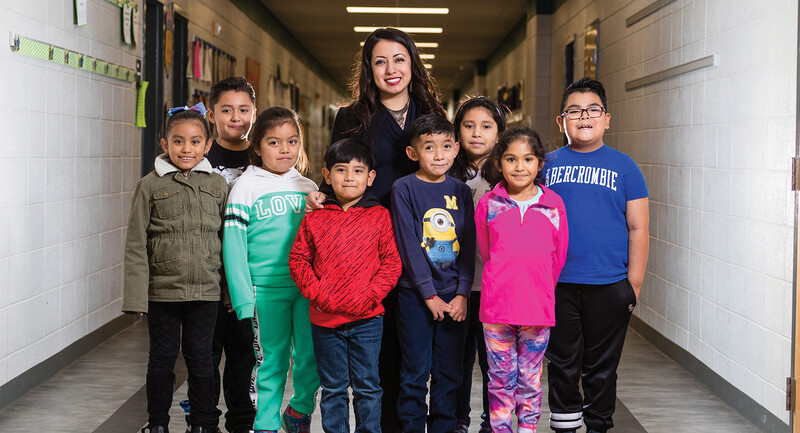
{"points": [[63, 56]]}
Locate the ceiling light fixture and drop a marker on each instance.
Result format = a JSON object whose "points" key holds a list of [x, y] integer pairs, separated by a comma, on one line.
{"points": [[418, 44], [359, 29], [428, 66], [389, 10], [427, 56]]}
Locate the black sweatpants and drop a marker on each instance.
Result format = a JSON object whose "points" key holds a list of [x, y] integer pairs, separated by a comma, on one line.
{"points": [[173, 325], [235, 338], [586, 344]]}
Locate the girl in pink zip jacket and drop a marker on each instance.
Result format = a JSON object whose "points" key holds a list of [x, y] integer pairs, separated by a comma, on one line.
{"points": [[522, 235]]}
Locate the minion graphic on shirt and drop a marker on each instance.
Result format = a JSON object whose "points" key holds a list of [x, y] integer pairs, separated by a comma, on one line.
{"points": [[439, 237]]}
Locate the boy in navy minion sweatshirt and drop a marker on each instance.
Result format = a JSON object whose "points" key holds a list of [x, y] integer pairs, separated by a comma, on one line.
{"points": [[435, 231]]}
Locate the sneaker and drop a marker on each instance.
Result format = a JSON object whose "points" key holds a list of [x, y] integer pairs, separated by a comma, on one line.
{"points": [[186, 408], [293, 421], [462, 426]]}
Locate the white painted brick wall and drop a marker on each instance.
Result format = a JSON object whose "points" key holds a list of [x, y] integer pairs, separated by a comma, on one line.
{"points": [[69, 161]]}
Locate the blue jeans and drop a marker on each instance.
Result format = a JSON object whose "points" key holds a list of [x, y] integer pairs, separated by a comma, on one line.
{"points": [[432, 349], [348, 356]]}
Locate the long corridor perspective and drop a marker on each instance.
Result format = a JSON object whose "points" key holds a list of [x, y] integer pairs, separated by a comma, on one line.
{"points": [[103, 392], [702, 95]]}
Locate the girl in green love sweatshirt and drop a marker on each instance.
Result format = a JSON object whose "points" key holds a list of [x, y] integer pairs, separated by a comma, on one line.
{"points": [[264, 211]]}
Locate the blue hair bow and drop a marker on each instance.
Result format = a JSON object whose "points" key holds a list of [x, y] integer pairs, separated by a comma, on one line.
{"points": [[199, 107]]}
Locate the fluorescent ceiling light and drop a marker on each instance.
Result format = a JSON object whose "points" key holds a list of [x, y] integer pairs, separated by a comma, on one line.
{"points": [[405, 29], [428, 65], [427, 56], [376, 10], [418, 44]]}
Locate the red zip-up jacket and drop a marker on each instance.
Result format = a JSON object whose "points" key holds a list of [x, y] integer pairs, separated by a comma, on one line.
{"points": [[345, 262]]}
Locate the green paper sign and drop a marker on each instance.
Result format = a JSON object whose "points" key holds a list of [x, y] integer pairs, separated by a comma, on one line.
{"points": [[140, 94]]}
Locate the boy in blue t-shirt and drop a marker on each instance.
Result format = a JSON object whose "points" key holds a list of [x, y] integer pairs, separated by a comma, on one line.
{"points": [[435, 230], [606, 200]]}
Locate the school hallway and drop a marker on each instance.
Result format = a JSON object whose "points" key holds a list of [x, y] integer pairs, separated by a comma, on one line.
{"points": [[103, 392], [704, 97]]}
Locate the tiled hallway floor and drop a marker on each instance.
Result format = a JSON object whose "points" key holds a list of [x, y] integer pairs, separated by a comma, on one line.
{"points": [[103, 392]]}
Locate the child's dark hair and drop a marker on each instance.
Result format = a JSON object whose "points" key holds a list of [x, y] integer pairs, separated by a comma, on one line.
{"points": [[273, 118], [585, 85], [491, 170], [184, 115], [346, 150], [463, 168], [429, 124], [230, 84]]}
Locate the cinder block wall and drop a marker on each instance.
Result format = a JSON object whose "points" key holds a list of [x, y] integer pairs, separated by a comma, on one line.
{"points": [[70, 159]]}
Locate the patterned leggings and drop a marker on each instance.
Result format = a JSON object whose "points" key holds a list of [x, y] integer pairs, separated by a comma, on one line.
{"points": [[515, 355]]}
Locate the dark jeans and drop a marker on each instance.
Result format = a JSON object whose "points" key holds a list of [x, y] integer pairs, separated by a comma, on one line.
{"points": [[165, 321], [474, 341], [585, 346], [347, 356], [235, 338], [430, 349]]}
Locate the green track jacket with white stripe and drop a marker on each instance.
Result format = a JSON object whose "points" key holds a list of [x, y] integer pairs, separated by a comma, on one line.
{"points": [[263, 214]]}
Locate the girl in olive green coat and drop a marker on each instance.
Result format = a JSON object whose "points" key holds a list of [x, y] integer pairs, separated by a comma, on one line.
{"points": [[172, 261]]}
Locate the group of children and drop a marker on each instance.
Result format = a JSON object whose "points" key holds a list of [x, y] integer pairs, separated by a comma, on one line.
{"points": [[474, 244]]}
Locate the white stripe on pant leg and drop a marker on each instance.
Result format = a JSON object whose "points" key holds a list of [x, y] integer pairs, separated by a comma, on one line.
{"points": [[259, 357], [566, 421]]}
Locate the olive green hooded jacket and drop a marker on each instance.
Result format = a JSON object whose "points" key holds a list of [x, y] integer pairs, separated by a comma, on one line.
{"points": [[173, 248]]}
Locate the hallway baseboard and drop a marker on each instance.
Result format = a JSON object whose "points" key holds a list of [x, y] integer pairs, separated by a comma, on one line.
{"points": [[40, 373], [760, 417]]}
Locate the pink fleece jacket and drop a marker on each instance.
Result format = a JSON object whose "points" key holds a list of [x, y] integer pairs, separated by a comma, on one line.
{"points": [[523, 257]]}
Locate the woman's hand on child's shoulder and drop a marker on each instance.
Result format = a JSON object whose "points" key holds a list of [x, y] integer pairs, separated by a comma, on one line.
{"points": [[314, 200]]}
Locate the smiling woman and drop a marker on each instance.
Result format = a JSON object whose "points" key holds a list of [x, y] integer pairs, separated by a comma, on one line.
{"points": [[390, 88]]}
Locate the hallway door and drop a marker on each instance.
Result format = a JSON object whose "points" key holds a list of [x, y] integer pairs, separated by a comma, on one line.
{"points": [[153, 71], [792, 404], [794, 418]]}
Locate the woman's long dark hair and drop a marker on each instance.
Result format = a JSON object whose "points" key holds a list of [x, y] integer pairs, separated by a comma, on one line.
{"points": [[463, 168], [422, 87]]}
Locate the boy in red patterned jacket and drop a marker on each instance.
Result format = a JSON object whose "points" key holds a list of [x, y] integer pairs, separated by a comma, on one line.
{"points": [[345, 261]]}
